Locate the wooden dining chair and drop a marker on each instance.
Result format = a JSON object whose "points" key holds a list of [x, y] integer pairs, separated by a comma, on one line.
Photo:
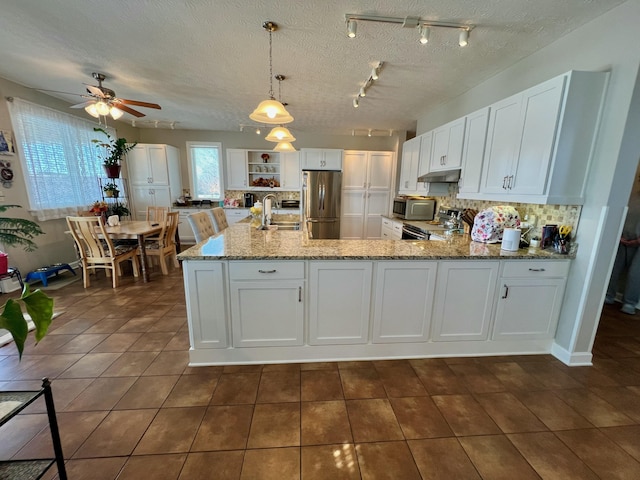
{"points": [[157, 214], [219, 219], [165, 246], [98, 251], [202, 225]]}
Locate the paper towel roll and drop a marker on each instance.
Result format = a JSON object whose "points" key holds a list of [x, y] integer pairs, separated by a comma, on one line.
{"points": [[511, 239], [267, 208]]}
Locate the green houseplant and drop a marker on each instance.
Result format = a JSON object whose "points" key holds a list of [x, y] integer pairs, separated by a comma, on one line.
{"points": [[111, 189], [114, 150], [39, 306]]}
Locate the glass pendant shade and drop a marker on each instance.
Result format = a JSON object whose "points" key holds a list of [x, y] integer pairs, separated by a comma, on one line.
{"points": [[92, 110], [271, 112], [280, 134], [284, 147], [102, 108], [115, 113]]}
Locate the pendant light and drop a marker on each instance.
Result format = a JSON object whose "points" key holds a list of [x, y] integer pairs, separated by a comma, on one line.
{"points": [[284, 147], [280, 133], [270, 111]]}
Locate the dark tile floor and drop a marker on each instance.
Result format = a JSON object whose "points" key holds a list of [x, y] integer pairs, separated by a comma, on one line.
{"points": [[129, 407]]}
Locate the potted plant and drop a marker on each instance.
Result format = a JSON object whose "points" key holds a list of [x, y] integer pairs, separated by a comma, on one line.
{"points": [[114, 150], [118, 209], [39, 306], [111, 189]]}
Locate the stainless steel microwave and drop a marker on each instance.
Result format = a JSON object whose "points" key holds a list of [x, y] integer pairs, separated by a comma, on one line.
{"points": [[414, 208]]}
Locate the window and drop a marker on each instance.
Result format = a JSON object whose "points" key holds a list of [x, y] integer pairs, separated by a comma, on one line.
{"points": [[206, 170], [60, 163]]}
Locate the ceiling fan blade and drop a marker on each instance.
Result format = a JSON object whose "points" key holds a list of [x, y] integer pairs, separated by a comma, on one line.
{"points": [[83, 104], [95, 91], [139, 104], [58, 91], [124, 108]]}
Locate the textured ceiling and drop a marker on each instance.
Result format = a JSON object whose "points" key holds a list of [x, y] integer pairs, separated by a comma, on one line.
{"points": [[206, 61]]}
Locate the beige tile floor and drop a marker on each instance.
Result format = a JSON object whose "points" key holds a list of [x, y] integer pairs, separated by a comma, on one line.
{"points": [[129, 407]]}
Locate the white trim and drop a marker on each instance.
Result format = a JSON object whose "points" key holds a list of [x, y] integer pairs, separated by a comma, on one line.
{"points": [[579, 359]]}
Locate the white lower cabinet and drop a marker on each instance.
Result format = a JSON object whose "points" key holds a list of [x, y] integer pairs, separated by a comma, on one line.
{"points": [[267, 303], [234, 215], [391, 229], [206, 303], [529, 299], [403, 301], [464, 300], [339, 302]]}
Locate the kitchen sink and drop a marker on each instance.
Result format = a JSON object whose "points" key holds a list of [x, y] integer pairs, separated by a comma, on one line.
{"points": [[281, 226]]}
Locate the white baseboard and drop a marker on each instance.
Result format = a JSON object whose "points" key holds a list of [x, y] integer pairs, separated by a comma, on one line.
{"points": [[576, 359]]}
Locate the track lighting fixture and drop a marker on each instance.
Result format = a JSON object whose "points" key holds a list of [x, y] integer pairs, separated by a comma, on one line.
{"points": [[463, 41], [258, 131], [271, 111], [369, 134], [424, 35], [423, 24], [352, 27], [367, 84]]}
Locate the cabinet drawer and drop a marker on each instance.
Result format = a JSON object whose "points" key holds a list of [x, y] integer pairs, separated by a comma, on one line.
{"points": [[265, 270], [387, 223], [533, 269], [397, 227]]}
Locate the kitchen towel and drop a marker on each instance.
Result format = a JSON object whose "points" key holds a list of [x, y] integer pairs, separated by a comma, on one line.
{"points": [[113, 221], [267, 208]]}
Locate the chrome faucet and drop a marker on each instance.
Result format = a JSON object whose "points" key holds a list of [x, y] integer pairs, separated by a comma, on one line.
{"points": [[267, 220]]}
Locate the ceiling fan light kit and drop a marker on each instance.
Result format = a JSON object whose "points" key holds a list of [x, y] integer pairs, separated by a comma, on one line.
{"points": [[271, 111], [422, 24]]}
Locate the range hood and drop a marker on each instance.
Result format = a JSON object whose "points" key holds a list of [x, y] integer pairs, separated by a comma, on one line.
{"points": [[447, 176]]}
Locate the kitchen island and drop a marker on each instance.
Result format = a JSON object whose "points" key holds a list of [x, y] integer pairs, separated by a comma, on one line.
{"points": [[272, 296]]}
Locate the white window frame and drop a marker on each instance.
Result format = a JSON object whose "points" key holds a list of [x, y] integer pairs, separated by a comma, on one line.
{"points": [[192, 170]]}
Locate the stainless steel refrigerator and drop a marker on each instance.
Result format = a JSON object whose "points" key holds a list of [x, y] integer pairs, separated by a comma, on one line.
{"points": [[321, 191]]}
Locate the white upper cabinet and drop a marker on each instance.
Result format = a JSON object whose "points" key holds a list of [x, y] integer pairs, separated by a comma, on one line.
{"points": [[540, 141], [236, 169], [473, 152], [409, 168], [290, 170], [447, 146], [321, 158]]}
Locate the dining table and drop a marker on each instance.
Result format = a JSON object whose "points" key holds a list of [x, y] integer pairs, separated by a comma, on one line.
{"points": [[138, 229]]}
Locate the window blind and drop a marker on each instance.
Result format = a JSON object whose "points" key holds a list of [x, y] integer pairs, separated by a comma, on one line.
{"points": [[60, 163]]}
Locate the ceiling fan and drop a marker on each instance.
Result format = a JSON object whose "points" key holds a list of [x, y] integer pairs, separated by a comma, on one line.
{"points": [[104, 101]]}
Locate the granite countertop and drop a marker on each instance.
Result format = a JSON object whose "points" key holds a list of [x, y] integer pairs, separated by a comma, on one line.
{"points": [[243, 241]]}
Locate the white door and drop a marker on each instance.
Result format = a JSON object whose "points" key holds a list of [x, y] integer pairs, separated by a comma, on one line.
{"points": [[516, 319], [503, 138], [354, 172], [473, 152], [539, 117], [352, 215], [267, 313], [138, 165], [206, 303], [464, 300], [339, 297], [158, 167], [290, 173], [236, 169], [376, 205], [142, 197], [379, 171], [403, 301]]}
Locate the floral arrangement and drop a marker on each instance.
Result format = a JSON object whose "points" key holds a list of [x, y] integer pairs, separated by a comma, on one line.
{"points": [[99, 208], [265, 157]]}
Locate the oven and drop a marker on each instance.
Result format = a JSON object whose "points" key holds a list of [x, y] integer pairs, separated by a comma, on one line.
{"points": [[414, 208], [410, 232]]}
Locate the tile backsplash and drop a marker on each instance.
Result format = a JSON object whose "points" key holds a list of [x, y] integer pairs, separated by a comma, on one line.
{"points": [[239, 195], [545, 214]]}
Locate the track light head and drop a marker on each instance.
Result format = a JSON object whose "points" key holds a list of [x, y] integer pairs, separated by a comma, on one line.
{"points": [[257, 131], [463, 40], [356, 104], [352, 27], [363, 92], [374, 73], [424, 35]]}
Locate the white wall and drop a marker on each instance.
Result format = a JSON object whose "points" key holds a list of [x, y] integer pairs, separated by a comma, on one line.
{"points": [[606, 44]]}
